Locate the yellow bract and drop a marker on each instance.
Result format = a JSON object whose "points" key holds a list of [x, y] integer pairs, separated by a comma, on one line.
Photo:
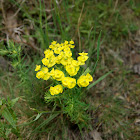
{"points": [[83, 54], [45, 61], [37, 67], [89, 77], [48, 53], [83, 81], [71, 42], [82, 59], [46, 76], [59, 56], [69, 82], [52, 61], [56, 90], [45, 70], [54, 42], [58, 75], [72, 71], [40, 74]]}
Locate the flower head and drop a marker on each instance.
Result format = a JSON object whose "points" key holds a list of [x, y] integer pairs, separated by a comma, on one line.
{"points": [[60, 56]]}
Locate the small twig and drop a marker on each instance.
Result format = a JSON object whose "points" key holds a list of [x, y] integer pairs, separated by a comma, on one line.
{"points": [[116, 3], [3, 12], [46, 10], [97, 109], [18, 10], [10, 27]]}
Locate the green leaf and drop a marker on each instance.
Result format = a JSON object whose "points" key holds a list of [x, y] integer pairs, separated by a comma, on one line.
{"points": [[0, 101], [8, 116], [13, 101], [8, 131], [38, 116], [86, 71], [3, 52], [97, 81]]}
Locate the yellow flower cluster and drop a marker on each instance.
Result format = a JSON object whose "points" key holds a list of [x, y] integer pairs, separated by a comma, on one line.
{"points": [[60, 54]]}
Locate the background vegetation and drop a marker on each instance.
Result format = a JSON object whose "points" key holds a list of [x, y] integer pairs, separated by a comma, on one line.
{"points": [[26, 30]]}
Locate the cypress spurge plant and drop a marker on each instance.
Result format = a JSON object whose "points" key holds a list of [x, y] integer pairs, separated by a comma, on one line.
{"points": [[68, 81], [8, 123]]}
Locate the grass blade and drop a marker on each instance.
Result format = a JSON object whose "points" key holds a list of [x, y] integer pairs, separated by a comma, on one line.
{"points": [[46, 121], [97, 81], [98, 52]]}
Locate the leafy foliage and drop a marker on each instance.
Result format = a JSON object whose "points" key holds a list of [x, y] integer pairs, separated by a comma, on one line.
{"points": [[9, 124]]}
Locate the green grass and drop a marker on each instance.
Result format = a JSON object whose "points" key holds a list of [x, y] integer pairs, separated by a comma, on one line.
{"points": [[112, 101]]}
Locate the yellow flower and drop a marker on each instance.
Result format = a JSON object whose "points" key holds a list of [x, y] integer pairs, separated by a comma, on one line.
{"points": [[71, 42], [83, 54], [45, 70], [46, 76], [59, 88], [45, 61], [83, 81], [57, 50], [61, 54], [75, 63], [64, 61], [59, 57], [68, 53], [56, 90], [52, 92], [69, 82], [69, 61], [82, 59], [37, 67], [71, 70], [67, 49], [65, 81], [51, 47], [77, 68], [66, 42], [52, 72], [89, 77], [58, 75], [48, 53], [52, 61], [40, 74], [54, 42], [58, 45], [71, 46]]}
